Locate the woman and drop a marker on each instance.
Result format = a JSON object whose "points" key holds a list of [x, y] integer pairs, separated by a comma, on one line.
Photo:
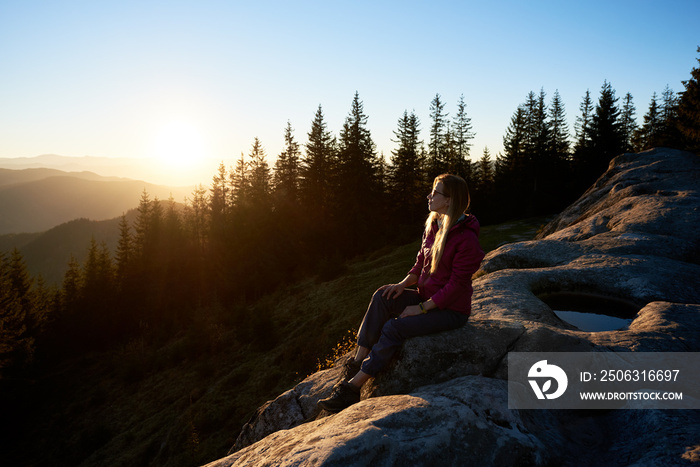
{"points": [[449, 255]]}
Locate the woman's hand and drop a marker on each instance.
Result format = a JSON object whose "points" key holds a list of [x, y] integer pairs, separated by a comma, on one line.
{"points": [[412, 310], [393, 290]]}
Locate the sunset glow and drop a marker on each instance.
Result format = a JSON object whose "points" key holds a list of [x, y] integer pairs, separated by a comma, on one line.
{"points": [[179, 144], [180, 150]]}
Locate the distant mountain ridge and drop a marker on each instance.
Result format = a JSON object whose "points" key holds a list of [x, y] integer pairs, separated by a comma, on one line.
{"points": [[153, 170], [47, 254], [17, 176], [121, 167], [35, 200]]}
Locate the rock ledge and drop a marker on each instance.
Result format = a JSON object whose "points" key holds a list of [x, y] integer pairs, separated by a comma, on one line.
{"points": [[632, 236]]}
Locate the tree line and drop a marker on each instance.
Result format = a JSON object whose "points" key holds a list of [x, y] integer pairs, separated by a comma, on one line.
{"points": [[259, 226]]}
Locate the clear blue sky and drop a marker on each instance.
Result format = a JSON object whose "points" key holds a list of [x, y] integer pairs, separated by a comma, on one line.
{"points": [[103, 78]]}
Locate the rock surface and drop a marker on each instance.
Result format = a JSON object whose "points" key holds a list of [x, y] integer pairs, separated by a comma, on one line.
{"points": [[633, 237], [396, 429]]}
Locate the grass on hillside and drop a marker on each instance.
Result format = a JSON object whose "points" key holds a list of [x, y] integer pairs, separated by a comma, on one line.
{"points": [[181, 400]]}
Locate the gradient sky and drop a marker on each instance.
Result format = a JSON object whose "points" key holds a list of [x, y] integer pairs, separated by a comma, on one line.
{"points": [[104, 78]]}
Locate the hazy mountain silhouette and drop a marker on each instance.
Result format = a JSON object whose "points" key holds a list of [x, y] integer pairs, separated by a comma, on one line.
{"points": [[35, 200], [145, 168], [47, 254]]}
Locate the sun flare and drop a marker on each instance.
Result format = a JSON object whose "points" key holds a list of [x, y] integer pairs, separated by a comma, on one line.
{"points": [[180, 154], [179, 145]]}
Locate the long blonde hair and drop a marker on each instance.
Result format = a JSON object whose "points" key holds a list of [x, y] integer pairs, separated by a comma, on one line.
{"points": [[455, 188]]}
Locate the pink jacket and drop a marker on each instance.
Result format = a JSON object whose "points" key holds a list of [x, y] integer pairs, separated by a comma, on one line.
{"points": [[451, 285]]}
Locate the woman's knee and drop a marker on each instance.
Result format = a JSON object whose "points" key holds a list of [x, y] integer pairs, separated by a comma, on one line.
{"points": [[377, 295], [379, 302]]}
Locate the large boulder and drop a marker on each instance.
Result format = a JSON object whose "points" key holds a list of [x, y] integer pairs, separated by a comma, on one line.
{"points": [[633, 238], [442, 424]]}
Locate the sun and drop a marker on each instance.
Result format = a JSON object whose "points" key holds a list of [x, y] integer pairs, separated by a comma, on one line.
{"points": [[179, 153], [179, 145]]}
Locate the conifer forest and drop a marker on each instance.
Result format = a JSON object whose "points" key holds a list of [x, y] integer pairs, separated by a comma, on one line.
{"points": [[327, 198]]}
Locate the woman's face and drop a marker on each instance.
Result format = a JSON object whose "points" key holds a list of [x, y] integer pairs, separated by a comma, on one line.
{"points": [[437, 201]]}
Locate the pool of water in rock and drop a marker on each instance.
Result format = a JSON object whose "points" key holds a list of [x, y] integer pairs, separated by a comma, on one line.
{"points": [[591, 312]]}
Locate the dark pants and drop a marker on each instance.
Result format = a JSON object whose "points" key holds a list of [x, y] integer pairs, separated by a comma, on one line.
{"points": [[384, 332]]}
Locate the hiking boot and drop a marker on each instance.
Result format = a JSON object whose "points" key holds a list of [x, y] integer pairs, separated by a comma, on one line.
{"points": [[350, 369], [343, 396]]}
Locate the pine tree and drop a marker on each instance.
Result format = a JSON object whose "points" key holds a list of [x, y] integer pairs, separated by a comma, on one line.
{"points": [[155, 230], [582, 154], [436, 146], [540, 131], [689, 110], [485, 174], [124, 253], [214, 220], [287, 169], [173, 231], [72, 288], [357, 160], [583, 143], [450, 158], [647, 136], [525, 173], [669, 135], [556, 190], [16, 311], [91, 270], [240, 181], [317, 167], [358, 188], [606, 132], [669, 105], [530, 129], [463, 135], [382, 174], [196, 223], [143, 225], [510, 173], [260, 183], [46, 302], [98, 291], [19, 279], [514, 144], [406, 181], [253, 223], [628, 123], [149, 255], [219, 200], [537, 174], [12, 317], [179, 268], [559, 130]]}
